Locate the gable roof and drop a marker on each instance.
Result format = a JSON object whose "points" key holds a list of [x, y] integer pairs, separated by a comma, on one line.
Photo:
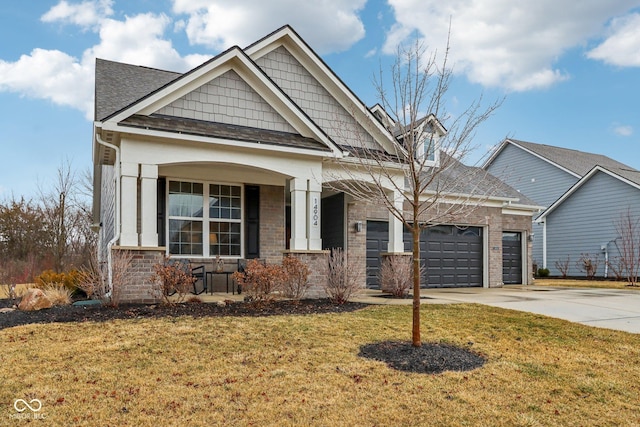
{"points": [[166, 87], [118, 85], [575, 162], [459, 178], [286, 36], [626, 175]]}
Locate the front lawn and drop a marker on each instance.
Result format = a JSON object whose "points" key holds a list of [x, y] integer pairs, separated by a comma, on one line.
{"points": [[584, 283], [305, 370]]}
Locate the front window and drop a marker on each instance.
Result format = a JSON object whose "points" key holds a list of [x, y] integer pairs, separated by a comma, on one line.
{"points": [[205, 229]]}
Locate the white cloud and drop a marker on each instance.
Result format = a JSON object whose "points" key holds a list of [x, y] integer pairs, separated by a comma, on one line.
{"points": [[51, 75], [622, 46], [500, 43], [623, 130], [85, 14], [328, 26], [68, 81]]}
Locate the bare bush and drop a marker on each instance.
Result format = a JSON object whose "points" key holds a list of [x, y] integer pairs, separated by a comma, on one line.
{"points": [[99, 283], [173, 277], [588, 264], [296, 280], [628, 244], [260, 281], [563, 266], [396, 275], [342, 282]]}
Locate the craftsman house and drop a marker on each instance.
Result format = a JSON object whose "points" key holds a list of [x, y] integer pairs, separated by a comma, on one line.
{"points": [[232, 159], [583, 194]]}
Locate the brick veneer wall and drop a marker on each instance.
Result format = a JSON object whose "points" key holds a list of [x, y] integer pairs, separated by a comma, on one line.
{"points": [[357, 241], [140, 288], [272, 223], [317, 263]]}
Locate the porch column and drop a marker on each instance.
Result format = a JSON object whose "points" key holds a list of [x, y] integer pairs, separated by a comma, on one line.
{"points": [[129, 204], [313, 216], [396, 242], [149, 205], [298, 188]]}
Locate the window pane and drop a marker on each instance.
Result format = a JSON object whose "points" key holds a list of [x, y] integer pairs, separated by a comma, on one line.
{"points": [[185, 237], [224, 238]]}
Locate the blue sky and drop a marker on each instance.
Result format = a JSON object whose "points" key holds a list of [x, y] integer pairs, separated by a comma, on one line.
{"points": [[570, 71]]}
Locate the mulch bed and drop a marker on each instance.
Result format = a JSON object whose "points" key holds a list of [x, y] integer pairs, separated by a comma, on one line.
{"points": [[99, 313], [429, 358]]}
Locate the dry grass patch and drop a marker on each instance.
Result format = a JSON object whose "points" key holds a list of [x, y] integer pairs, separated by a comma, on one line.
{"points": [[577, 283], [305, 370]]}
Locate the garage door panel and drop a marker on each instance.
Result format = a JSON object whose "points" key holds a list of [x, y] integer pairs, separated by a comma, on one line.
{"points": [[452, 255]]}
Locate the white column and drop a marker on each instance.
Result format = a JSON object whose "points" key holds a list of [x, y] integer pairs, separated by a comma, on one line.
{"points": [[129, 204], [313, 215], [149, 205], [396, 242], [298, 189]]}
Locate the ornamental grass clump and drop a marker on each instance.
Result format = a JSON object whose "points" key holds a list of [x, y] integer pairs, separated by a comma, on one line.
{"points": [[58, 294]]}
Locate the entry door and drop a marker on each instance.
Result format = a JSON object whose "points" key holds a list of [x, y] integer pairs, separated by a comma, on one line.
{"points": [[511, 258]]}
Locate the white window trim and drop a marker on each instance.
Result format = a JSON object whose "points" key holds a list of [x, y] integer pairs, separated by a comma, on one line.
{"points": [[205, 218]]}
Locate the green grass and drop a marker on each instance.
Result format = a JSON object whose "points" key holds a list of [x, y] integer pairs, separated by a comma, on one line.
{"points": [[304, 370], [608, 284]]}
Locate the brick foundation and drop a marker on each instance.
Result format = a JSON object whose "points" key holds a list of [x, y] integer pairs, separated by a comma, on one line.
{"points": [[140, 288], [317, 262]]}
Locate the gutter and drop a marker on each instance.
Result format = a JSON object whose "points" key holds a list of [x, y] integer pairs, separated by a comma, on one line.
{"points": [[116, 236]]}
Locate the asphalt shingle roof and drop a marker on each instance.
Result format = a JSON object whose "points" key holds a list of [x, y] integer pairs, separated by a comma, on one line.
{"points": [[459, 178], [222, 130], [119, 85], [576, 161]]}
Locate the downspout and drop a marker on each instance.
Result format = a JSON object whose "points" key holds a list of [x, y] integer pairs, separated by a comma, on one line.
{"points": [[544, 244], [116, 234]]}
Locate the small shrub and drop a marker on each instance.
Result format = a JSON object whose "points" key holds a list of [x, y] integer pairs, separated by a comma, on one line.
{"points": [[588, 264], [296, 278], [194, 300], [70, 280], [396, 275], [58, 294], [94, 279], [543, 272], [172, 278], [260, 281], [341, 283], [563, 266]]}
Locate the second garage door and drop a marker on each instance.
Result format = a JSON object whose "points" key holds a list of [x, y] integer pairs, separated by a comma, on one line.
{"points": [[452, 255]]}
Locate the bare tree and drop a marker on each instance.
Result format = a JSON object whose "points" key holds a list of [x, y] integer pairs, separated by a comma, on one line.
{"points": [[628, 243], [421, 180], [67, 219]]}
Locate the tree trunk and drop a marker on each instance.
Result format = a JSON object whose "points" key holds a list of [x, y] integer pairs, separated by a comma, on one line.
{"points": [[415, 230]]}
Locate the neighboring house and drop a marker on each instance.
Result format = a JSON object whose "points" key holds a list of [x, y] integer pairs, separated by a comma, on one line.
{"points": [[233, 159], [582, 193]]}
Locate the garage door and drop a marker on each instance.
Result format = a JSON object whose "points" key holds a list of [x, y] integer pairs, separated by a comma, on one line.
{"points": [[511, 258], [452, 255]]}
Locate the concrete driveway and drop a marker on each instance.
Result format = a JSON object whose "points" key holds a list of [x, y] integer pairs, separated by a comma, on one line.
{"points": [[605, 308]]}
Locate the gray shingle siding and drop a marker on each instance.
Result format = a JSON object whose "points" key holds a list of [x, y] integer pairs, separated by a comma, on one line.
{"points": [[228, 99], [585, 221], [530, 175], [293, 78]]}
